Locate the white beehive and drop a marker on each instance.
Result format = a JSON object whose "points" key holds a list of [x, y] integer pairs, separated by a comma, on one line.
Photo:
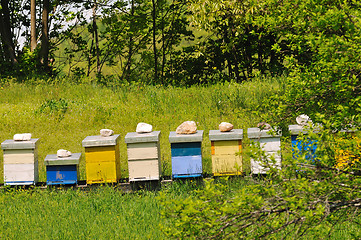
{"points": [[143, 156], [20, 162], [270, 143]]}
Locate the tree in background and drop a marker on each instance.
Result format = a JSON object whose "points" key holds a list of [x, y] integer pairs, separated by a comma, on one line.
{"points": [[7, 39]]}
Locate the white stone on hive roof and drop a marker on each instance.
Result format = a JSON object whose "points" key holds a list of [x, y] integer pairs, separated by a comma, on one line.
{"points": [[187, 127], [303, 120], [22, 137], [225, 127], [63, 153], [144, 128]]}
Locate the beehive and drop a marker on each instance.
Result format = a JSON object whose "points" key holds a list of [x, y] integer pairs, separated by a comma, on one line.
{"points": [[224, 146], [345, 157], [271, 144], [62, 170], [143, 156], [20, 162], [102, 159], [186, 150], [309, 146]]}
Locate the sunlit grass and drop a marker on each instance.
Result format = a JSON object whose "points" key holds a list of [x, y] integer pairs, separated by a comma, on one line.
{"points": [[63, 114]]}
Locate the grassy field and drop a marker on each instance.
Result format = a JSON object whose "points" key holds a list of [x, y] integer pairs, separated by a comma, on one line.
{"points": [[62, 115], [100, 213], [108, 213]]}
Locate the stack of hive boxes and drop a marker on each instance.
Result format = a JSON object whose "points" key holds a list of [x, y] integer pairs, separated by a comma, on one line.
{"points": [[143, 156], [102, 159], [186, 150], [270, 142], [224, 147], [20, 162], [62, 170], [300, 146]]}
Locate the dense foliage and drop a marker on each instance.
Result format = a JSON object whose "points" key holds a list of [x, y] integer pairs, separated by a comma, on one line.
{"points": [[318, 45], [186, 42], [314, 44], [308, 197]]}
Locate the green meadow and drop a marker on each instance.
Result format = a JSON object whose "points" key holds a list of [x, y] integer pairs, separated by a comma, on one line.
{"points": [[63, 114]]}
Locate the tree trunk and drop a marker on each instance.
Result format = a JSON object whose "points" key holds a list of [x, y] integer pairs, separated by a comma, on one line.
{"points": [[234, 51], [90, 58], [95, 32], [44, 52], [32, 25], [228, 54], [5, 31], [154, 42], [130, 47], [163, 43]]}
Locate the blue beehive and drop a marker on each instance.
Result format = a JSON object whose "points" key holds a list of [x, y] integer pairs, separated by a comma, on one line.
{"points": [[309, 146], [62, 170], [186, 154]]}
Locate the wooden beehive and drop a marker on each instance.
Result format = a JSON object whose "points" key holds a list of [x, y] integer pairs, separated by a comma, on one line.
{"points": [[102, 159], [300, 146], [20, 162], [62, 170], [143, 156], [224, 146], [186, 152], [271, 144]]}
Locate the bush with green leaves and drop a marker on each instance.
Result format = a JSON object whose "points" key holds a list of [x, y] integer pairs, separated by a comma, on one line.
{"points": [[310, 198]]}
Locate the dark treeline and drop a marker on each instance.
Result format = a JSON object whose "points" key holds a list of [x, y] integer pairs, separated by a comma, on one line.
{"points": [[178, 42]]}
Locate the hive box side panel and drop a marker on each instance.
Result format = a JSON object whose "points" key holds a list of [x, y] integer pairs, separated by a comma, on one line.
{"points": [[101, 172], [270, 144], [117, 162], [186, 149], [36, 169], [258, 167], [100, 154], [142, 151], [20, 156], [144, 170], [227, 164], [226, 147], [61, 174], [159, 159], [310, 147], [20, 172], [187, 165]]}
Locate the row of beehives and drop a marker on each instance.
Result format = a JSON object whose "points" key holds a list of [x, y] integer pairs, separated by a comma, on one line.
{"points": [[102, 157]]}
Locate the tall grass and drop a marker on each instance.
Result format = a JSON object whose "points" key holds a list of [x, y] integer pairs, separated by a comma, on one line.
{"points": [[63, 114]]}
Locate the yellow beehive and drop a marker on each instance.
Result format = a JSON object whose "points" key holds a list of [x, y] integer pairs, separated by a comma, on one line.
{"points": [[143, 156], [345, 157], [226, 147], [102, 159]]}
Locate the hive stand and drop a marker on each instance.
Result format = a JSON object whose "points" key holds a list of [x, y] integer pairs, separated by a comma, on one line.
{"points": [[270, 143], [143, 156], [224, 146], [20, 162], [102, 159], [186, 152], [62, 170]]}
